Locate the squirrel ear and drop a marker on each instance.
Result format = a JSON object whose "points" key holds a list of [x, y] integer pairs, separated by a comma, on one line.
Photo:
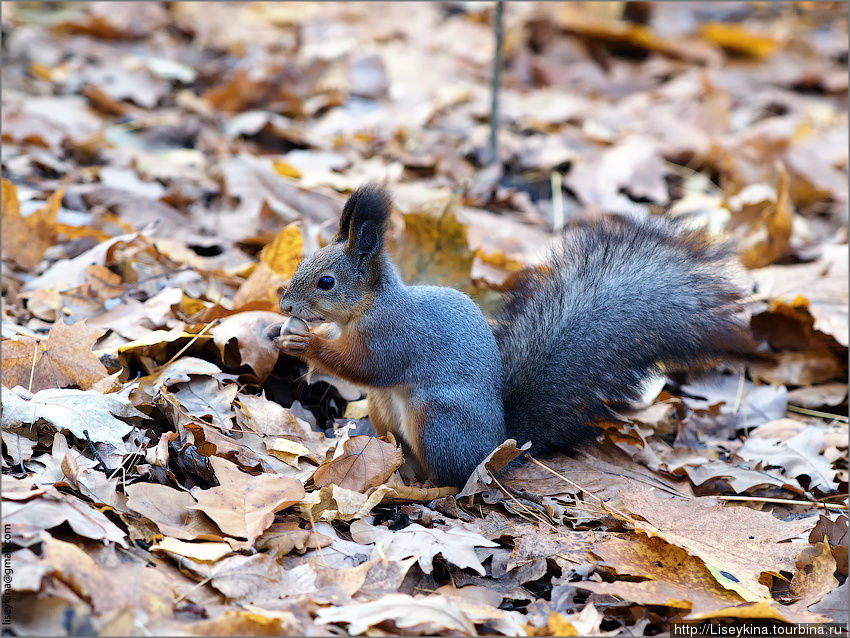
{"points": [[368, 240], [364, 219]]}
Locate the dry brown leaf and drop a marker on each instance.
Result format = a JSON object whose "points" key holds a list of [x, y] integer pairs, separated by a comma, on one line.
{"points": [[818, 288], [284, 537], [65, 359], [736, 543], [676, 579], [534, 544], [171, 510], [244, 505], [261, 291], [26, 238], [268, 418], [584, 623], [426, 615], [835, 533], [365, 462], [248, 329], [798, 368], [256, 622], [739, 39], [762, 221], [434, 247], [815, 576], [482, 476]]}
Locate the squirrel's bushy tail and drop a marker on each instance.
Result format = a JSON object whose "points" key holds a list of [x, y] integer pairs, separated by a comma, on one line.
{"points": [[619, 301]]}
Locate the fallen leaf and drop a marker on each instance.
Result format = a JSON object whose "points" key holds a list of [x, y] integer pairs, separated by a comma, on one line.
{"points": [[456, 545], [78, 411], [64, 359], [366, 461], [248, 329], [675, 578], [172, 510], [205, 552], [29, 519], [426, 615], [737, 544], [797, 456], [26, 238], [244, 505]]}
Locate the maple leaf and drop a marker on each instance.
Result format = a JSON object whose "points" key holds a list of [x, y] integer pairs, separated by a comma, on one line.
{"points": [[26, 238], [64, 359]]}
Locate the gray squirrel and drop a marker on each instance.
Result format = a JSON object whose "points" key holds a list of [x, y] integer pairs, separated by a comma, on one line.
{"points": [[619, 301]]}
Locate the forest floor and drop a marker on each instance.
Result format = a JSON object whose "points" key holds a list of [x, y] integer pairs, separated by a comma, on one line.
{"points": [[167, 165]]}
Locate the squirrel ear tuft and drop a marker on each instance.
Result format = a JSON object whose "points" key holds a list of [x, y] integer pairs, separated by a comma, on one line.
{"points": [[364, 220]]}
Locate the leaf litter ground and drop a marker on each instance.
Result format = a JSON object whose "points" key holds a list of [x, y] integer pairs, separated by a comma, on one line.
{"points": [[167, 165]]}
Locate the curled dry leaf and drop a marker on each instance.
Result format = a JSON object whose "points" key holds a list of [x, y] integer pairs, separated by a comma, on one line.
{"points": [[798, 456], [815, 576], [30, 518], [248, 329]]}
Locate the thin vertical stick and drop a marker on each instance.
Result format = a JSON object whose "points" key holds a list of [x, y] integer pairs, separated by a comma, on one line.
{"points": [[495, 82]]}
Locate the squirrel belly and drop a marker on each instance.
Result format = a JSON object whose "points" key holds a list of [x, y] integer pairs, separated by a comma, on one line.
{"points": [[619, 301]]}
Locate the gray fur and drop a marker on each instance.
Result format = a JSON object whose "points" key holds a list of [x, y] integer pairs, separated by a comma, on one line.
{"points": [[619, 300]]}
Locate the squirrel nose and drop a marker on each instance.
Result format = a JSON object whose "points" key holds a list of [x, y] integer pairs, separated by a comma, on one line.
{"points": [[286, 307]]}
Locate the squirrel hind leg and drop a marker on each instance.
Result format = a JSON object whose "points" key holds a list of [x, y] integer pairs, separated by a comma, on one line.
{"points": [[454, 441]]}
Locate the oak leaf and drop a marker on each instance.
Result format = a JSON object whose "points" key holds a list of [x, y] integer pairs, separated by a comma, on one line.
{"points": [[81, 412]]}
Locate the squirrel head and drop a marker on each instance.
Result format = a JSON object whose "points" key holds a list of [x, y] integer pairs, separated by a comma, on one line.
{"points": [[337, 282]]}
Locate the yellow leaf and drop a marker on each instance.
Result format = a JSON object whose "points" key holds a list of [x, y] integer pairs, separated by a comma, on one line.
{"points": [[286, 169], [736, 38], [284, 253]]}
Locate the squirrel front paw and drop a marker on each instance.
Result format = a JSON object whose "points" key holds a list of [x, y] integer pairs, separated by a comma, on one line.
{"points": [[290, 337]]}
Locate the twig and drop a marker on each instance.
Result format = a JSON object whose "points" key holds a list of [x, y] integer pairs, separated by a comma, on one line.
{"points": [[188, 345], [555, 182], [97, 456], [783, 501], [823, 415], [32, 369], [496, 81], [534, 515], [603, 504], [191, 589]]}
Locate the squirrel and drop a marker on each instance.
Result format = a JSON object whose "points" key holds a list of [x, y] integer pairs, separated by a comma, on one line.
{"points": [[619, 301]]}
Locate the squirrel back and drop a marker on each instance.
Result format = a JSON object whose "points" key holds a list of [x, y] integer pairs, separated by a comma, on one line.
{"points": [[619, 301]]}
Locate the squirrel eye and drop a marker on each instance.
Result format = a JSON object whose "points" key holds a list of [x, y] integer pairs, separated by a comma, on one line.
{"points": [[326, 283]]}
